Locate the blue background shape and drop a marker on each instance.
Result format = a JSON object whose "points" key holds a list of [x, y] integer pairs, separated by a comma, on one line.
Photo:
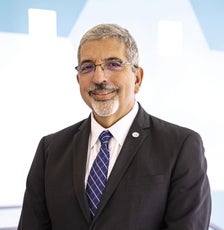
{"points": [[14, 14], [14, 17], [210, 15]]}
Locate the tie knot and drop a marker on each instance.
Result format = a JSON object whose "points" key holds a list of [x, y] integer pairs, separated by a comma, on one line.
{"points": [[105, 137]]}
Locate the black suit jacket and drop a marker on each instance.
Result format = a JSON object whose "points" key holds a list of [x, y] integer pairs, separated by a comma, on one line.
{"points": [[158, 182]]}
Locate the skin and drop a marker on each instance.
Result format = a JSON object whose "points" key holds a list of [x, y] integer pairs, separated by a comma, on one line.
{"points": [[108, 105]]}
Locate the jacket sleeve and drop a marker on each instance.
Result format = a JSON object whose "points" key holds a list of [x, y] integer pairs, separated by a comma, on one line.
{"points": [[189, 200], [34, 213]]}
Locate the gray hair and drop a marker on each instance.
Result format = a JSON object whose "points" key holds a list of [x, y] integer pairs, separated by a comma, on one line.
{"points": [[112, 30]]}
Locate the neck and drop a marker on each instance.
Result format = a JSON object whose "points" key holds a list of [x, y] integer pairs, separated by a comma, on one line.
{"points": [[108, 121]]}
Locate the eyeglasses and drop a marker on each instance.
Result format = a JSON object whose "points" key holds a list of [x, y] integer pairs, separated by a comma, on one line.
{"points": [[108, 66]]}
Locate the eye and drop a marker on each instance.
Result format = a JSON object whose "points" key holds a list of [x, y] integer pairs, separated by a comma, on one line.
{"points": [[114, 65], [86, 67]]}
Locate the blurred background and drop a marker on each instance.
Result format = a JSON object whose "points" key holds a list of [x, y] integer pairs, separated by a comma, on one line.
{"points": [[181, 50]]}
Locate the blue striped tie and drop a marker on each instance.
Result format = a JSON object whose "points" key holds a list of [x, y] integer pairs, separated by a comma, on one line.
{"points": [[98, 173]]}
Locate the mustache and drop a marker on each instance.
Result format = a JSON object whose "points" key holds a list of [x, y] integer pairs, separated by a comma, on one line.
{"points": [[102, 86]]}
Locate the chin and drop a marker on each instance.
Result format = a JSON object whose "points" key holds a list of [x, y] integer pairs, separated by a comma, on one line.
{"points": [[105, 108]]}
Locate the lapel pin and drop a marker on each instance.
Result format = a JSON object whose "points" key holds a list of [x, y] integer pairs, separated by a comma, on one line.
{"points": [[135, 134]]}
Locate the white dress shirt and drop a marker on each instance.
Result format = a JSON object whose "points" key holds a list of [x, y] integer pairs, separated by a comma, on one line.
{"points": [[119, 132]]}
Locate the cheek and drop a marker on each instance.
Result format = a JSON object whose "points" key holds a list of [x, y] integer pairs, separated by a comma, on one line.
{"points": [[83, 89], [128, 90], [83, 84]]}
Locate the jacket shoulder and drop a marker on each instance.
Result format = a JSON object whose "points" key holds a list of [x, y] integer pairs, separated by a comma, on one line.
{"points": [[157, 124], [62, 137], [171, 134]]}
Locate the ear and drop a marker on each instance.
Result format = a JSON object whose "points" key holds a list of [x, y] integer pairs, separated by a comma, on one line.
{"points": [[77, 78], [138, 78]]}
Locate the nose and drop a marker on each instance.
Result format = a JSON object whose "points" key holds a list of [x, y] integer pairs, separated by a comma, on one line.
{"points": [[99, 74]]}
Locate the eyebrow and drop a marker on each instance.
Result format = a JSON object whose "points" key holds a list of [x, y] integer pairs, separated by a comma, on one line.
{"points": [[106, 59], [86, 61], [113, 59]]}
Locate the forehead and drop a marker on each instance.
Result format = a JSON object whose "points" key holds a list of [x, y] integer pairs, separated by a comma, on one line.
{"points": [[102, 49]]}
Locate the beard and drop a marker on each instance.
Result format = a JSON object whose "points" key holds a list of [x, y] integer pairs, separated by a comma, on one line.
{"points": [[108, 107], [105, 108]]}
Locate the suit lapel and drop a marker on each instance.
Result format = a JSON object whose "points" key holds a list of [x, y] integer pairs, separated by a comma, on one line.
{"points": [[133, 142], [80, 148]]}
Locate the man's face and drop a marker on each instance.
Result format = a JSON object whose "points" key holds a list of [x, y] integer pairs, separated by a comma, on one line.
{"points": [[110, 94]]}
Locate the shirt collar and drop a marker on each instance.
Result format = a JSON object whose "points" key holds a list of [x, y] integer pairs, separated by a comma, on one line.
{"points": [[123, 124]]}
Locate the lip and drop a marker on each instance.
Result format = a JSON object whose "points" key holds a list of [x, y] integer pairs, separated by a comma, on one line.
{"points": [[103, 95]]}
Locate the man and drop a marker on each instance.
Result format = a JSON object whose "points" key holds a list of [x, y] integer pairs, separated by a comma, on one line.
{"points": [[153, 174]]}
